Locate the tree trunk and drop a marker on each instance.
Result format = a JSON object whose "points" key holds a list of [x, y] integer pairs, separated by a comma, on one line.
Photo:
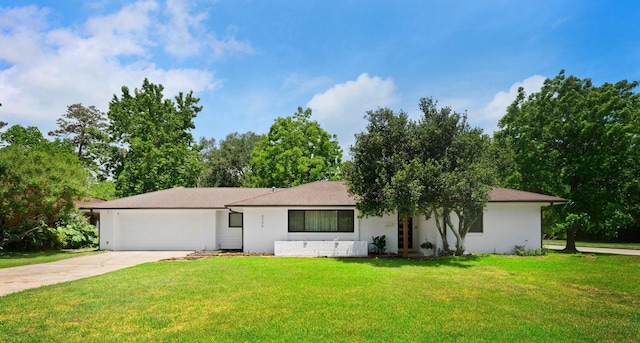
{"points": [[442, 229], [571, 240], [405, 236]]}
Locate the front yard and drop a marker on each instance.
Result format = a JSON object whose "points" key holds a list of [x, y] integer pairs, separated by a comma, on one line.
{"points": [[560, 297], [16, 259]]}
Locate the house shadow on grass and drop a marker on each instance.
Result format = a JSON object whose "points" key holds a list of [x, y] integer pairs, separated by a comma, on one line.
{"points": [[399, 262]]}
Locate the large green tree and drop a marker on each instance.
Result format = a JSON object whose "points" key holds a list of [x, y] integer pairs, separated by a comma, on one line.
{"points": [[85, 128], [579, 141], [437, 166], [386, 175], [227, 163], [458, 171], [295, 151], [154, 147], [39, 181]]}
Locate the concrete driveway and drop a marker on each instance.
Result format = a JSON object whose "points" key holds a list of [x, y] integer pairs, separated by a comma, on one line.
{"points": [[17, 279]]}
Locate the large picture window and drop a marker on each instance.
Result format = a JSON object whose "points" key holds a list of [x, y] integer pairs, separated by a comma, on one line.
{"points": [[321, 220]]}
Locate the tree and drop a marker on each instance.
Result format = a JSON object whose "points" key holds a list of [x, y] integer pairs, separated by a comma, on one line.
{"points": [[227, 163], [580, 142], [295, 151], [458, 172], [154, 147], [39, 181], [435, 167], [85, 128], [385, 175]]}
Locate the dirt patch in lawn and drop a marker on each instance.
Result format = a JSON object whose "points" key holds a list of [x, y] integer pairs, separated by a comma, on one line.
{"points": [[196, 255]]}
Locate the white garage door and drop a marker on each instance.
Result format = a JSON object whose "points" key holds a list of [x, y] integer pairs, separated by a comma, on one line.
{"points": [[163, 230]]}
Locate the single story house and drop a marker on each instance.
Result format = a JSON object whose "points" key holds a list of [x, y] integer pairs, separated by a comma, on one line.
{"points": [[315, 219]]}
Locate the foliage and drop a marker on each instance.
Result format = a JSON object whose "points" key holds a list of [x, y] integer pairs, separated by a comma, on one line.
{"points": [[426, 245], [75, 232], [520, 250], [448, 299], [436, 167], [295, 151], [580, 142], [385, 174], [227, 163], [379, 244], [40, 181], [85, 128], [154, 148], [105, 190], [458, 171]]}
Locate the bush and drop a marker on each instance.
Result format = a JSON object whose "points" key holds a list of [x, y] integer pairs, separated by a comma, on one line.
{"points": [[33, 236], [75, 232], [379, 244], [520, 250]]}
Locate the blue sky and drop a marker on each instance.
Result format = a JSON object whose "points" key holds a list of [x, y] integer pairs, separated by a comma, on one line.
{"points": [[253, 61]]}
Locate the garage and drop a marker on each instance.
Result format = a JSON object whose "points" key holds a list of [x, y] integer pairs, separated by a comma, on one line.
{"points": [[157, 230], [173, 219]]}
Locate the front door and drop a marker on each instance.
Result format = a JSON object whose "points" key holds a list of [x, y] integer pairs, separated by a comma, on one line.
{"points": [[401, 233]]}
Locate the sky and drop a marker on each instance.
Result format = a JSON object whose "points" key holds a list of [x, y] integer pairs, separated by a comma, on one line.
{"points": [[252, 61]]}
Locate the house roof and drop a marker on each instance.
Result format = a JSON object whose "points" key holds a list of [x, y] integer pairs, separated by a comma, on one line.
{"points": [[319, 193], [512, 195], [88, 202], [181, 197], [315, 194], [334, 193]]}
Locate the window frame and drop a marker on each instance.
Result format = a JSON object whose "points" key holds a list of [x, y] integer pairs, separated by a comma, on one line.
{"points": [[338, 220], [479, 222], [241, 220]]}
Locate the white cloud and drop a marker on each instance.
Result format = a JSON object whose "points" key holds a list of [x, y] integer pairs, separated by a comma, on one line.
{"points": [[341, 109], [48, 68], [497, 108]]}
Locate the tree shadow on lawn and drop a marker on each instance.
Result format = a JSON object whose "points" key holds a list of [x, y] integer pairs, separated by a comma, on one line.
{"points": [[399, 262]]}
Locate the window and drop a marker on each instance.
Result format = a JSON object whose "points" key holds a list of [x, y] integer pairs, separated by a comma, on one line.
{"points": [[477, 226], [235, 219], [321, 221]]}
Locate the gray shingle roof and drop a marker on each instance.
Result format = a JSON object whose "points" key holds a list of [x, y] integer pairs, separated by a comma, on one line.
{"points": [[334, 193], [181, 197], [319, 193], [512, 195]]}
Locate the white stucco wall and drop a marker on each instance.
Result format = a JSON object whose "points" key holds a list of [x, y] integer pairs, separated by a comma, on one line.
{"points": [[505, 226], [158, 229], [377, 226], [227, 237]]}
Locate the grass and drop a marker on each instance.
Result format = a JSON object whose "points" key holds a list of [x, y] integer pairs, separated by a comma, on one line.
{"points": [[594, 244], [558, 297], [16, 259]]}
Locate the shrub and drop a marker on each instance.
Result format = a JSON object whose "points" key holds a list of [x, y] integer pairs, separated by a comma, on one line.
{"points": [[520, 250], [379, 244], [75, 232]]}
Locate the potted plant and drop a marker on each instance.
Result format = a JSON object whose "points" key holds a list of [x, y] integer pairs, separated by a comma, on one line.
{"points": [[427, 246]]}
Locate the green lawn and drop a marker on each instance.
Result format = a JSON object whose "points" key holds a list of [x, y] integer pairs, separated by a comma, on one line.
{"points": [[15, 259], [559, 297], [595, 244]]}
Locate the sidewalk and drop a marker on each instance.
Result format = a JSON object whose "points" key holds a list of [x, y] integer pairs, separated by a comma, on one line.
{"points": [[599, 250]]}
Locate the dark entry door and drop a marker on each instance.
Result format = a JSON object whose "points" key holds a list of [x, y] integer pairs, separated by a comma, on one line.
{"points": [[401, 233]]}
